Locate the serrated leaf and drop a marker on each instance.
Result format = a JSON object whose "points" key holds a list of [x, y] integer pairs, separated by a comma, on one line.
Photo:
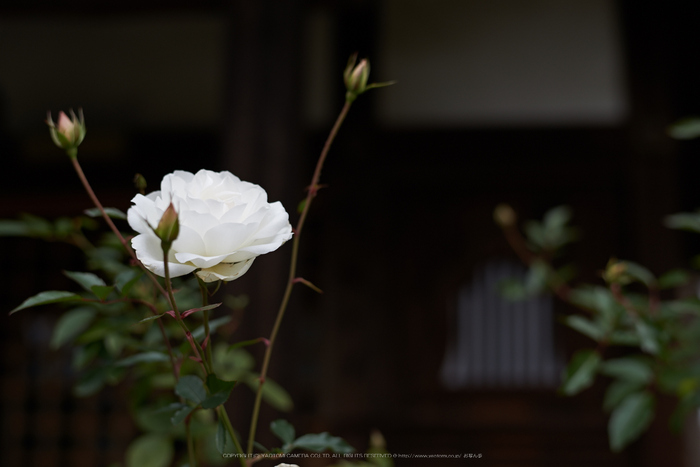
{"points": [[181, 414], [629, 419], [13, 228], [214, 324], [224, 442], [241, 344], [102, 291], [580, 372], [114, 213], [640, 273], [283, 430], [585, 326], [71, 324], [686, 128], [220, 391], [689, 221], [114, 343], [217, 385], [47, 297], [151, 318], [37, 226], [125, 280], [319, 442], [632, 370], [86, 279], [144, 357], [624, 338], [648, 337], [276, 396], [673, 278], [617, 391], [191, 388], [150, 450]]}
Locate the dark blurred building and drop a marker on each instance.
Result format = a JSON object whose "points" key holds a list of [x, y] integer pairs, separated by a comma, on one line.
{"points": [[532, 102]]}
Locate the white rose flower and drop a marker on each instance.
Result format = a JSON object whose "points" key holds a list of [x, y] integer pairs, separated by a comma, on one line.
{"points": [[224, 224], [286, 465]]}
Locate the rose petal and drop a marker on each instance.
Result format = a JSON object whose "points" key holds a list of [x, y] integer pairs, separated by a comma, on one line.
{"points": [[225, 271], [149, 252]]}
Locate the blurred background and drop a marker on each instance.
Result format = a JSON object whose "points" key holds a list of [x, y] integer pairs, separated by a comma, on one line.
{"points": [[536, 103]]}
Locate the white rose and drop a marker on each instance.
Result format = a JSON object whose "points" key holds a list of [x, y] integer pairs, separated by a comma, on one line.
{"points": [[224, 224], [286, 465]]}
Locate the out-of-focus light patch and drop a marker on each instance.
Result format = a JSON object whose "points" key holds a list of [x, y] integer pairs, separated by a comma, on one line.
{"points": [[501, 63]]}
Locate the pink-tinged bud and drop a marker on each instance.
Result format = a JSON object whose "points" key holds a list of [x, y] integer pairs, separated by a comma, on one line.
{"points": [[356, 77], [168, 227], [504, 216], [69, 132]]}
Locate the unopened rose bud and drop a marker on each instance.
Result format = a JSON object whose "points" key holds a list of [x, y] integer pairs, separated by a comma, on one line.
{"points": [[69, 132], [616, 272], [140, 183], [356, 77], [504, 216], [168, 227]]}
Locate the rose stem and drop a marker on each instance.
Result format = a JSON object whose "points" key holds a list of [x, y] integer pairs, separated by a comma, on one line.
{"points": [[168, 295], [313, 188], [205, 303], [127, 247], [108, 220], [190, 443]]}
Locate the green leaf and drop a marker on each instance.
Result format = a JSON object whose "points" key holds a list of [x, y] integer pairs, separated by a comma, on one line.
{"points": [[632, 370], [70, 325], [191, 388], [648, 337], [151, 318], [585, 326], [556, 218], [580, 372], [224, 443], [689, 221], [238, 345], [114, 213], [283, 430], [150, 450], [125, 280], [214, 324], [321, 442], [640, 273], [624, 338], [617, 391], [37, 227], [44, 298], [673, 278], [85, 279], [144, 357], [537, 277], [114, 343], [12, 228], [629, 419], [598, 299], [685, 128], [220, 391], [181, 414], [102, 291], [276, 396]]}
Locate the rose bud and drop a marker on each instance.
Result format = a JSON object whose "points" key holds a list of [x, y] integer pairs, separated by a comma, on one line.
{"points": [[504, 216], [69, 132], [356, 77], [225, 223], [168, 228]]}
